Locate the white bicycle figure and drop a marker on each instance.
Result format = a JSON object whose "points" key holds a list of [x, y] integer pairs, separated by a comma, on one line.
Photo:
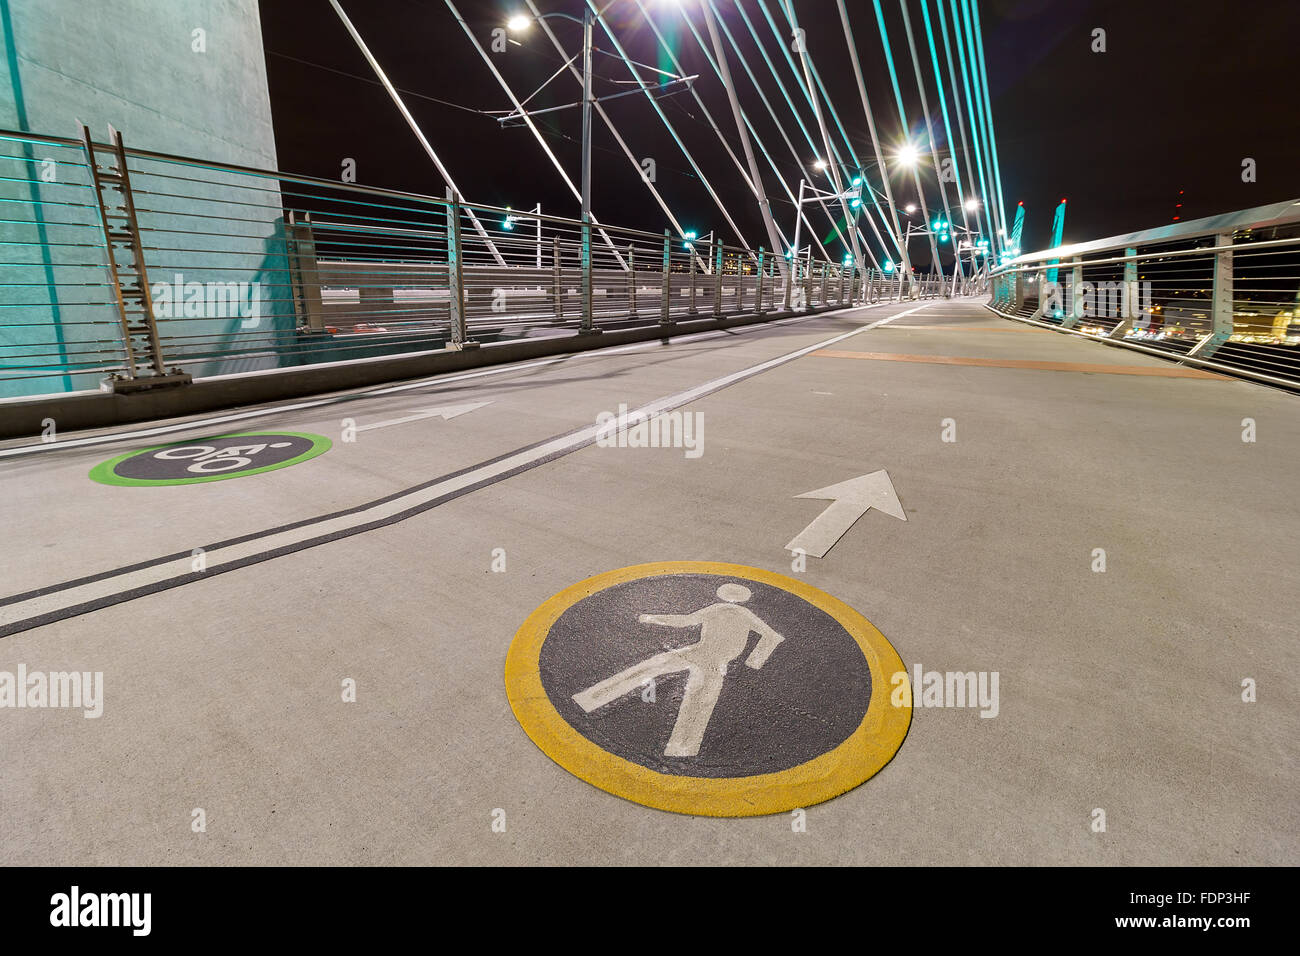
{"points": [[210, 460]]}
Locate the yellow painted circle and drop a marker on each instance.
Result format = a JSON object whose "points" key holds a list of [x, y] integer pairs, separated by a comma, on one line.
{"points": [[871, 746]]}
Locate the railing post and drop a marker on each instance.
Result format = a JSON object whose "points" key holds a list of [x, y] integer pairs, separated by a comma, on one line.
{"points": [[758, 292], [1075, 312], [631, 278], [691, 309], [1040, 283], [587, 326], [306, 274], [665, 315], [786, 294], [1222, 299], [1221, 302], [807, 303], [456, 275], [717, 281], [1130, 282], [740, 284], [557, 280]]}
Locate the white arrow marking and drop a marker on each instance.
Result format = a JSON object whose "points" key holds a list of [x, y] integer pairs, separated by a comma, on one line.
{"points": [[447, 411], [851, 500]]}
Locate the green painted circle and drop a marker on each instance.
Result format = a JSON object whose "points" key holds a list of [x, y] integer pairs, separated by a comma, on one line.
{"points": [[105, 472]]}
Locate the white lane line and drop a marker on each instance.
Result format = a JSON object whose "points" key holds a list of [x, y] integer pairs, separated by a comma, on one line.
{"points": [[149, 432], [445, 412], [217, 559]]}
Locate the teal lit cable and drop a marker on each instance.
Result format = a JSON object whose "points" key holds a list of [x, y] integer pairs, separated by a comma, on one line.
{"points": [[988, 105]]}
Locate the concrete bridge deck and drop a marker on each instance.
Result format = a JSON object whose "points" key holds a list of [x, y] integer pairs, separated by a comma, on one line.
{"points": [[1119, 690]]}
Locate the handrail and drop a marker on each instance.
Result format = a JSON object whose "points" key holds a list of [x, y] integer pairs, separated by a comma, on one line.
{"points": [[1259, 217]]}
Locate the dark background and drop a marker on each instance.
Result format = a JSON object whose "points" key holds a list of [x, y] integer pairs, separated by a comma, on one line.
{"points": [[1185, 91]]}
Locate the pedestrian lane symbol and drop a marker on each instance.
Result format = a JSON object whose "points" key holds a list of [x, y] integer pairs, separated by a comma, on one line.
{"points": [[707, 688]]}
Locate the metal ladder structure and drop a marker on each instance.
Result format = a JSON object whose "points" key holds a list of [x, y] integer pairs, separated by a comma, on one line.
{"points": [[145, 367]]}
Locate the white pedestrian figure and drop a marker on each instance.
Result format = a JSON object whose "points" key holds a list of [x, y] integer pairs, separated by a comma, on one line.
{"points": [[724, 632]]}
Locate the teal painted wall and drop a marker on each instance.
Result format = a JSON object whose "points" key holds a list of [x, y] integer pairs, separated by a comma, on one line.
{"points": [[134, 64]]}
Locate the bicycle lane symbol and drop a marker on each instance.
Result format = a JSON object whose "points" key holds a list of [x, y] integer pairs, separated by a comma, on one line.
{"points": [[211, 459]]}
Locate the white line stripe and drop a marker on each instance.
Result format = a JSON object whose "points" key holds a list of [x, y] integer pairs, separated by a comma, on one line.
{"points": [[391, 389], [69, 597]]}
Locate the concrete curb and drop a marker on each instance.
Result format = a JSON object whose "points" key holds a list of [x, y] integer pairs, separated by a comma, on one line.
{"points": [[22, 418]]}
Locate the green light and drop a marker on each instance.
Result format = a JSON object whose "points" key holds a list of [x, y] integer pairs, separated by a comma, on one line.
{"points": [[888, 265]]}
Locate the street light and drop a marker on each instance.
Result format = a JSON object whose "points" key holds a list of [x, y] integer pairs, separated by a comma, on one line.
{"points": [[512, 217], [972, 204], [908, 155], [910, 208], [521, 22], [850, 195]]}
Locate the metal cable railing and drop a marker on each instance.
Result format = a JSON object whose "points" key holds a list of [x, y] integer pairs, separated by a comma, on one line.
{"points": [[1220, 293], [250, 269]]}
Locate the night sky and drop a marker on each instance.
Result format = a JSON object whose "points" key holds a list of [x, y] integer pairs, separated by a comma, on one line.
{"points": [[1184, 92]]}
